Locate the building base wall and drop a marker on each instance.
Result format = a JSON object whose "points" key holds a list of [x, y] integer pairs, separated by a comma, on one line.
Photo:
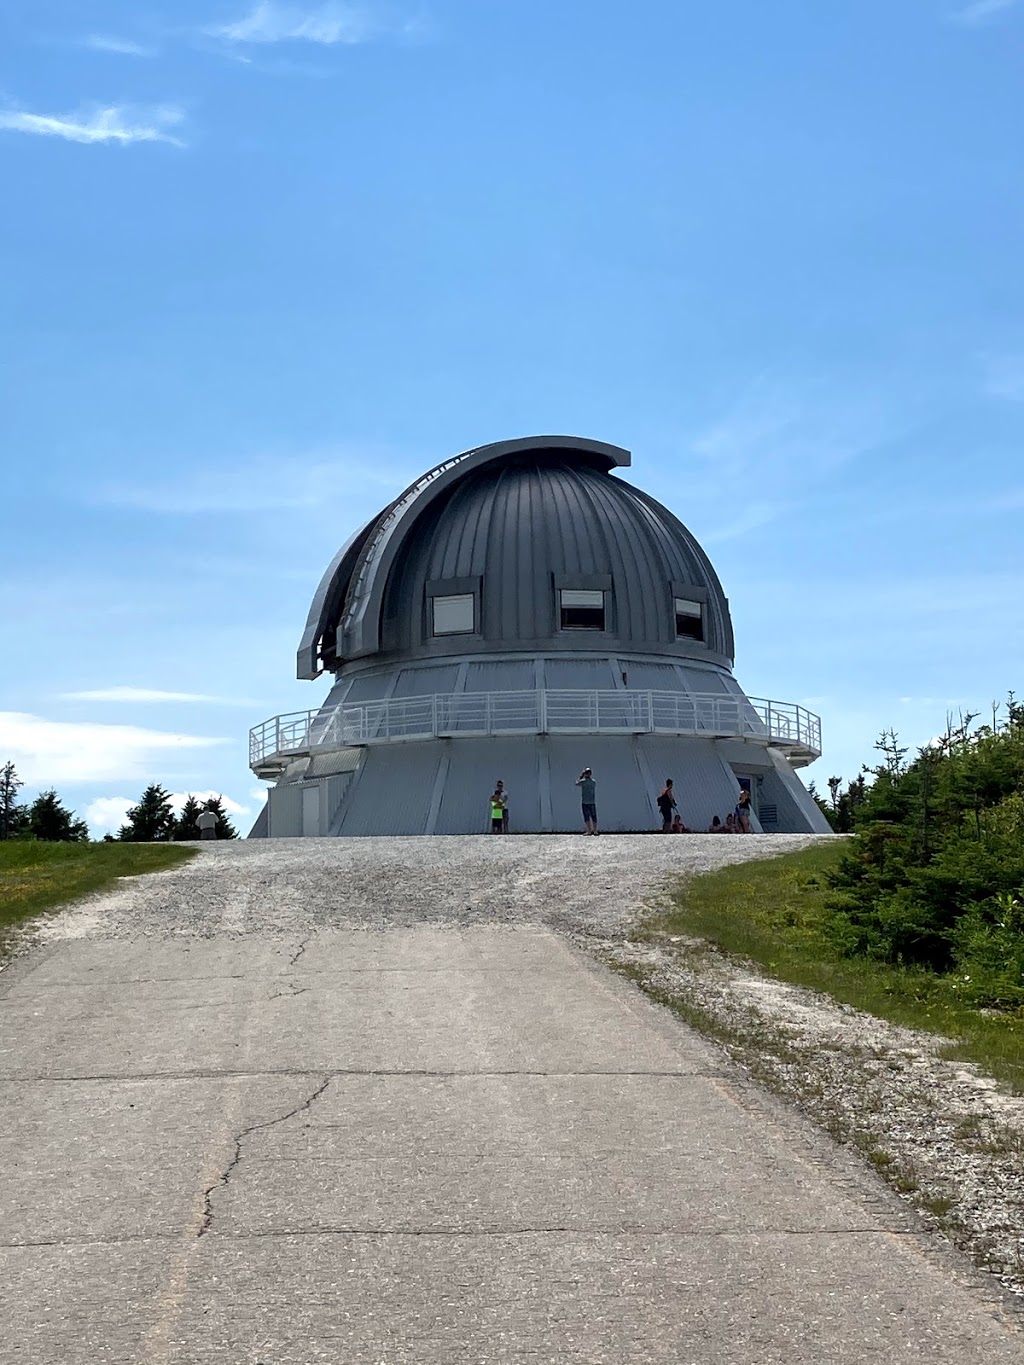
{"points": [[443, 786]]}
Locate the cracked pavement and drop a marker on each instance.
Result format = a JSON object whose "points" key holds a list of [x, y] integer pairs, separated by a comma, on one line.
{"points": [[366, 1134]]}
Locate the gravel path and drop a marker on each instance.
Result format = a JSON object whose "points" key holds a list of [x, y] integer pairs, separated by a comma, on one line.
{"points": [[575, 884]]}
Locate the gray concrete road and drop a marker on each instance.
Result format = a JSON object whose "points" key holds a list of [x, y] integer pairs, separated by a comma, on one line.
{"points": [[421, 1141]]}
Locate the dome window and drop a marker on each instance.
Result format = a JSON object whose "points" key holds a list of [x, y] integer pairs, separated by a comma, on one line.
{"points": [[689, 619], [581, 609], [453, 615]]}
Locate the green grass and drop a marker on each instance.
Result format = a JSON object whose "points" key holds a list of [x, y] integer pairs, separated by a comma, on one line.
{"points": [[772, 911], [36, 877]]}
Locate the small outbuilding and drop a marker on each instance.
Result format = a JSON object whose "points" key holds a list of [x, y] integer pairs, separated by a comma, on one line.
{"points": [[520, 613]]}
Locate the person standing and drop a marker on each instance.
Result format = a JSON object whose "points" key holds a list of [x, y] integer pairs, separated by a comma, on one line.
{"points": [[666, 805], [504, 805], [588, 797], [743, 811], [497, 810], [207, 825]]}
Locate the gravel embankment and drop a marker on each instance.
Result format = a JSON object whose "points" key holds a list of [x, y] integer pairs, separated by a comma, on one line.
{"points": [[574, 884], [942, 1134]]}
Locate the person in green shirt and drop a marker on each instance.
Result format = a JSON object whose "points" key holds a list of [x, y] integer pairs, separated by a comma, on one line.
{"points": [[497, 811]]}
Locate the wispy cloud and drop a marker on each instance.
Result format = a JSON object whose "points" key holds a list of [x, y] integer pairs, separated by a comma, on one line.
{"points": [[122, 47], [981, 11], [150, 694], [49, 752], [260, 485], [112, 124], [332, 22], [796, 433], [1005, 377]]}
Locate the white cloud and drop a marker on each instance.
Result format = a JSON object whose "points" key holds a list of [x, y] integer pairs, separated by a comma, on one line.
{"points": [[259, 795], [122, 47], [150, 694], [980, 11], [1005, 377], [178, 800], [112, 124], [106, 814], [49, 753], [329, 23]]}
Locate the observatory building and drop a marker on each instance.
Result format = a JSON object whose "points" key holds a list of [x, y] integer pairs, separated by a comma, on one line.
{"points": [[522, 613]]}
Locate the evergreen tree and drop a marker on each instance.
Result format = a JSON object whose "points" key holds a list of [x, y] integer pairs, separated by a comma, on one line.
{"points": [[12, 816], [49, 819], [152, 820], [185, 826], [225, 829]]}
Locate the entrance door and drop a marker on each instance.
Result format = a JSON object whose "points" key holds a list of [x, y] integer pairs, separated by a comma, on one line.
{"points": [[749, 785]]}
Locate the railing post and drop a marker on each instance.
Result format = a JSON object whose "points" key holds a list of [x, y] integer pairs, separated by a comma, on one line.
{"points": [[277, 734], [542, 710], [433, 715], [488, 713], [650, 712]]}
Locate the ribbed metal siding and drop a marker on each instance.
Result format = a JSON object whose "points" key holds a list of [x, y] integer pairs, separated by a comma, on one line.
{"points": [[501, 675], [392, 791], [704, 784], [580, 673], [425, 682], [623, 801], [520, 523], [476, 765], [656, 677]]}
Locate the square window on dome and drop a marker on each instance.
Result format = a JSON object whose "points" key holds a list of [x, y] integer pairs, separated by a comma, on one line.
{"points": [[689, 619], [581, 609], [454, 615]]}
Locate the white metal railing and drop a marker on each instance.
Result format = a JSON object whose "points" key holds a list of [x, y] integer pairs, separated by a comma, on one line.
{"points": [[550, 711]]}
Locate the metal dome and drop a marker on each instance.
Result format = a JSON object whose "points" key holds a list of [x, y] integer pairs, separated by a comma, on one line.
{"points": [[514, 524]]}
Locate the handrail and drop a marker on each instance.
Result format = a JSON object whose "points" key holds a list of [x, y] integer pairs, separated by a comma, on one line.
{"points": [[785, 725]]}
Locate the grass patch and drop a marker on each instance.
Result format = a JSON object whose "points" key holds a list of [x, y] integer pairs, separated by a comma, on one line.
{"points": [[773, 912], [36, 877]]}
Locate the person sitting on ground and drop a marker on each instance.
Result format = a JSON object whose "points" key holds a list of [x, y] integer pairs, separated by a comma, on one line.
{"points": [[716, 826], [497, 812], [666, 804], [730, 824], [677, 825]]}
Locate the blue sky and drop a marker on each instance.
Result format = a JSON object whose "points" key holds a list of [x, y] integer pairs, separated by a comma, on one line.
{"points": [[264, 262]]}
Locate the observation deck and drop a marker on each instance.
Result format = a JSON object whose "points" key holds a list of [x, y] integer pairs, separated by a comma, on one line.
{"points": [[785, 726]]}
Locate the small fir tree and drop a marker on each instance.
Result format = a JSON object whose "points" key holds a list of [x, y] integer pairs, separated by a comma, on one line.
{"points": [[50, 820], [12, 815], [185, 826], [152, 820]]}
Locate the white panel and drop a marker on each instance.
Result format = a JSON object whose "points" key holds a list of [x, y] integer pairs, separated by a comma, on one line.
{"points": [[311, 811], [684, 607], [582, 597], [453, 615]]}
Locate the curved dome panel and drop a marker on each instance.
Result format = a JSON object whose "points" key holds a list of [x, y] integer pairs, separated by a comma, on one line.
{"points": [[513, 526], [525, 529]]}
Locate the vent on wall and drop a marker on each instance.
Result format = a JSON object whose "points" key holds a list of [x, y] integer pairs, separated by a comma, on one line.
{"points": [[768, 815]]}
